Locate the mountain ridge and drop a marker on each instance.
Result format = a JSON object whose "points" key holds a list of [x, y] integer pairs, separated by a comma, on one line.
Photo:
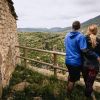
{"points": [[95, 20]]}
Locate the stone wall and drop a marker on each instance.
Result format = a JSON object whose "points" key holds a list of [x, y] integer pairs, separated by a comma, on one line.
{"points": [[8, 40]]}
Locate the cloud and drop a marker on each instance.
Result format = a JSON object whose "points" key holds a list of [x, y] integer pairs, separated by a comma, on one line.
{"points": [[54, 13]]}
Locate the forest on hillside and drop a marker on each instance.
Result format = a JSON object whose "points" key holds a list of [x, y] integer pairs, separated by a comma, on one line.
{"points": [[45, 41], [42, 40]]}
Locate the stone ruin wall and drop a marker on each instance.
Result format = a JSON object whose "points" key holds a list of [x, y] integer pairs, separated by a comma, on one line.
{"points": [[8, 40]]}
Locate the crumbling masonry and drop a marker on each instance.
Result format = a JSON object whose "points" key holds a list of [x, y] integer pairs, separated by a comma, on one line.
{"points": [[8, 40]]}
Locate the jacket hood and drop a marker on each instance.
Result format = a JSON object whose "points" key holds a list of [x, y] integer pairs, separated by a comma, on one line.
{"points": [[73, 34]]}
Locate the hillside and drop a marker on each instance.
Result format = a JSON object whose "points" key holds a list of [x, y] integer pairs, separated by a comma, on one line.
{"points": [[46, 41], [95, 20], [28, 85], [42, 40]]}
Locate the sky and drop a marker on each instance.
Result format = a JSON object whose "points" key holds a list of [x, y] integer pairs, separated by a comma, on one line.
{"points": [[54, 13]]}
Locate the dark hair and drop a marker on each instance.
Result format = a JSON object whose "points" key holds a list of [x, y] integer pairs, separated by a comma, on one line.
{"points": [[76, 25]]}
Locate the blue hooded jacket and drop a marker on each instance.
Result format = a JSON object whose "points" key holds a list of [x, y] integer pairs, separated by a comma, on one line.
{"points": [[74, 43]]}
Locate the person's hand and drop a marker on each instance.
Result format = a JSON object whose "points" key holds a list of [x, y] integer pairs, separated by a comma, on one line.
{"points": [[98, 59]]}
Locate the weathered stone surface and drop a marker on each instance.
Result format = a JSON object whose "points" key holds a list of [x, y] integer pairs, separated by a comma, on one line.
{"points": [[21, 86], [8, 41]]}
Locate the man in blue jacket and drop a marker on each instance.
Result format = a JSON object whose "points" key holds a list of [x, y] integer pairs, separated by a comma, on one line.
{"points": [[75, 46]]}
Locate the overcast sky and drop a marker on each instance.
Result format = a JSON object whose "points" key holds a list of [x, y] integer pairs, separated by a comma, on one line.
{"points": [[54, 13]]}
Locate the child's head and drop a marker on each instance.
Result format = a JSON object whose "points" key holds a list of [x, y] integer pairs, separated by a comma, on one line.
{"points": [[76, 25]]}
